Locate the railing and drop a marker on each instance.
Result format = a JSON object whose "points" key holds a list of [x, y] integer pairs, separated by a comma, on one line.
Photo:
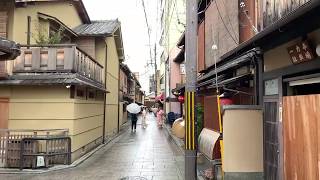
{"points": [[10, 144], [66, 58]]}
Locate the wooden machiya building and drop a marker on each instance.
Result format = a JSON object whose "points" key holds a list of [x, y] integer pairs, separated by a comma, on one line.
{"points": [[272, 77]]}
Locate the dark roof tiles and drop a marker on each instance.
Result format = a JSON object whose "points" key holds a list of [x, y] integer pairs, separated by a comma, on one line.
{"points": [[98, 28]]}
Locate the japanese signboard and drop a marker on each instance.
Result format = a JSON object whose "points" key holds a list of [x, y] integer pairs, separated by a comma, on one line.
{"points": [[182, 69], [301, 52]]}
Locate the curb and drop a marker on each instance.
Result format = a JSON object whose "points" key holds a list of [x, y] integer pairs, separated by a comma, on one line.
{"points": [[107, 145], [175, 139]]}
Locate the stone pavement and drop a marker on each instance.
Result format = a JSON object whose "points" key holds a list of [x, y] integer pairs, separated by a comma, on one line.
{"points": [[148, 153]]}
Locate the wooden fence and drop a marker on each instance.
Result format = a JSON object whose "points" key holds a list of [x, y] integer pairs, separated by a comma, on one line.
{"points": [[10, 146]]}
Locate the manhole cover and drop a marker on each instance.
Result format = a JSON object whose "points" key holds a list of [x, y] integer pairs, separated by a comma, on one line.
{"points": [[133, 178]]}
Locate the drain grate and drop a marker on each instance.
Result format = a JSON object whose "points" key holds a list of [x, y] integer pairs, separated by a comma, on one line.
{"points": [[133, 178]]}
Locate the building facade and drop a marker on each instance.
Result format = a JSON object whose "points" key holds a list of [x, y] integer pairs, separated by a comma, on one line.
{"points": [[264, 67], [63, 75], [173, 22]]}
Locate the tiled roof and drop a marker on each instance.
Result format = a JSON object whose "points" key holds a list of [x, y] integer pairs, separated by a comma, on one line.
{"points": [[8, 49], [52, 79], [97, 28]]}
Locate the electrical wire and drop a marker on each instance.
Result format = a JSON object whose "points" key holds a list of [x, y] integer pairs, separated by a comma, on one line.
{"points": [[229, 19], [147, 23], [224, 24]]}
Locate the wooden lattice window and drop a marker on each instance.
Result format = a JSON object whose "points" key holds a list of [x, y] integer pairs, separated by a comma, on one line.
{"points": [[3, 23]]}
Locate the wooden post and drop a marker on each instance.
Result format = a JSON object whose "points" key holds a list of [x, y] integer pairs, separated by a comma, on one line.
{"points": [[191, 80]]}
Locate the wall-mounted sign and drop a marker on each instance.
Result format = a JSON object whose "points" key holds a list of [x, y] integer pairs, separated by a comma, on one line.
{"points": [[182, 69], [40, 161], [301, 52], [271, 87]]}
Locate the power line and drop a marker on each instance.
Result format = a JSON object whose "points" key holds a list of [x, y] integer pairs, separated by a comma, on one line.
{"points": [[224, 24], [147, 23], [229, 19]]}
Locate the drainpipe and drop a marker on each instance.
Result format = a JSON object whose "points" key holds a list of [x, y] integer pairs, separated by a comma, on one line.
{"points": [[119, 97], [105, 99], [258, 87], [28, 30]]}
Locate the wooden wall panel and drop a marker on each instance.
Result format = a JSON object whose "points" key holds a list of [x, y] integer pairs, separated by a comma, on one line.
{"points": [[242, 140], [273, 10], [87, 45], [300, 130], [211, 113], [225, 37], [3, 23]]}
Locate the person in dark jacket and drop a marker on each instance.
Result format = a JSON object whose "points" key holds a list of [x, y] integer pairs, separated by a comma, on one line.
{"points": [[134, 119]]}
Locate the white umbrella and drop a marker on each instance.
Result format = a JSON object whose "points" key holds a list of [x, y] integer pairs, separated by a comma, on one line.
{"points": [[133, 108]]}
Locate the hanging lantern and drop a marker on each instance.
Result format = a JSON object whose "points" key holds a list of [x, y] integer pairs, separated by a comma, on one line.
{"points": [[181, 99], [226, 101]]}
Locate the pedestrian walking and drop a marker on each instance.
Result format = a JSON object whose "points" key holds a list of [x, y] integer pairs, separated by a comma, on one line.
{"points": [[144, 116], [134, 119], [133, 109], [160, 114]]}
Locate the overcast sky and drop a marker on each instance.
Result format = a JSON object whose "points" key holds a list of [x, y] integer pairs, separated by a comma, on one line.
{"points": [[134, 30]]}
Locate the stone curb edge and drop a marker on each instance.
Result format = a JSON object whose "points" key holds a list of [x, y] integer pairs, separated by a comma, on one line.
{"points": [[181, 149], [174, 139]]}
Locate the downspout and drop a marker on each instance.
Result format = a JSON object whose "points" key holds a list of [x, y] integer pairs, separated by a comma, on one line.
{"points": [[28, 30], [260, 78], [119, 97], [105, 98], [258, 88]]}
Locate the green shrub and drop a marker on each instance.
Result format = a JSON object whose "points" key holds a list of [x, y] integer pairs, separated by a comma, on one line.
{"points": [[199, 113]]}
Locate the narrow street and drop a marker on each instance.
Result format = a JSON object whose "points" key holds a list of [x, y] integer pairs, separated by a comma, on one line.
{"points": [[148, 153]]}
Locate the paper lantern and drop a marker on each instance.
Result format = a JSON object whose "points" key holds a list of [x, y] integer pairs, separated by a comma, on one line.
{"points": [[181, 99]]}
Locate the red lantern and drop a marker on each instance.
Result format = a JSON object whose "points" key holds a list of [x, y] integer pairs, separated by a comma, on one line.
{"points": [[181, 99], [226, 101]]}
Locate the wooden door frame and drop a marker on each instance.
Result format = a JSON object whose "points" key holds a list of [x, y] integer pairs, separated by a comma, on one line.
{"points": [[278, 99]]}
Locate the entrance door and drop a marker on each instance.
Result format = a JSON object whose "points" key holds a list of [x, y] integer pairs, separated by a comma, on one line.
{"points": [[272, 129], [4, 113], [271, 139]]}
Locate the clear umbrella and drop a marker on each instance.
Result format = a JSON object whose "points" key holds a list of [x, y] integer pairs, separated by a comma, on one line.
{"points": [[133, 108]]}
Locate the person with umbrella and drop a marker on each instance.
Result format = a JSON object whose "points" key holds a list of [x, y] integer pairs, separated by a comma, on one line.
{"points": [[133, 109]]}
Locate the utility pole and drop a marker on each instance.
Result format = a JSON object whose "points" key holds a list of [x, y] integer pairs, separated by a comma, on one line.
{"points": [[155, 70], [191, 80]]}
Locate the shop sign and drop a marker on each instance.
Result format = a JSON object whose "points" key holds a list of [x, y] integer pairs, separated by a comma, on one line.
{"points": [[300, 52], [271, 87], [182, 69]]}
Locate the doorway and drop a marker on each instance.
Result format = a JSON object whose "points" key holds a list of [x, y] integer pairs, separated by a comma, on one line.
{"points": [[272, 129]]}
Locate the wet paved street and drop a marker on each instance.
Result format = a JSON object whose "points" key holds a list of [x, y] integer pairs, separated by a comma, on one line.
{"points": [[148, 153]]}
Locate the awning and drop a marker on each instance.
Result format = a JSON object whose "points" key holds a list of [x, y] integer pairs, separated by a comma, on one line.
{"points": [[180, 57], [231, 80], [238, 61], [180, 88], [8, 49], [211, 81], [53, 79]]}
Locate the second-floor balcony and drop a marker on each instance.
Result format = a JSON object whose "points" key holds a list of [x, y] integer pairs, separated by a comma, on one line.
{"points": [[55, 60]]}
